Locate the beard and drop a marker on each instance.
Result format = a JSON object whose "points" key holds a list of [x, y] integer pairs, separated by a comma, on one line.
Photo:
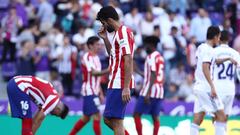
{"points": [[110, 29]]}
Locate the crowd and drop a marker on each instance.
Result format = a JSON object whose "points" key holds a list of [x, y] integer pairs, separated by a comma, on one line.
{"points": [[47, 38]]}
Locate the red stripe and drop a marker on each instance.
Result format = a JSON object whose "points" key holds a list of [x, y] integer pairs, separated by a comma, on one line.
{"points": [[117, 61], [122, 72], [36, 92], [50, 103]]}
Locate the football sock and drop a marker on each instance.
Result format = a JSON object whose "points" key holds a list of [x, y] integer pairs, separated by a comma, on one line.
{"points": [[220, 128], [97, 127], [156, 127], [194, 129], [26, 126], [77, 127], [138, 124]]}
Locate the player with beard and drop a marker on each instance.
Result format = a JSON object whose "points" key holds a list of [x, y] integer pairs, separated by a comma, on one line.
{"points": [[120, 48]]}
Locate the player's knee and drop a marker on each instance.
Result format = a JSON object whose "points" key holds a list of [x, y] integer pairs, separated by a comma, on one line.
{"points": [[136, 115], [155, 118], [96, 116], [85, 119], [107, 121]]}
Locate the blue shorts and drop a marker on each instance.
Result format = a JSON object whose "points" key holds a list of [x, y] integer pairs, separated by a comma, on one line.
{"points": [[19, 101], [115, 107], [90, 105], [152, 108]]}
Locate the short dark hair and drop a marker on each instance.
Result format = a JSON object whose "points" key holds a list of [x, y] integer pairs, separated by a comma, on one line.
{"points": [[107, 12], [92, 40], [224, 36], [64, 112], [152, 40], [212, 32]]}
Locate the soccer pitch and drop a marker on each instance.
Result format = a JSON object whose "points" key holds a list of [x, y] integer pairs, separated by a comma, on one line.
{"points": [[170, 125]]}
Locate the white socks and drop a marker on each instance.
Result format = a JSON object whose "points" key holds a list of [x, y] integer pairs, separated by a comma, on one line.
{"points": [[220, 128], [194, 129]]}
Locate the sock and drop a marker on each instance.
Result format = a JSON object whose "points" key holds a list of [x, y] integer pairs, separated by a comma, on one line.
{"points": [[138, 125], [156, 127], [77, 127], [26, 126], [194, 129], [126, 132], [96, 127], [220, 128]]}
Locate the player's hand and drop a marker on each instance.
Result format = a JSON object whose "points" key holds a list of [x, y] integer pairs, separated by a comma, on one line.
{"points": [[147, 99], [213, 92], [102, 33], [126, 97], [101, 98], [233, 61]]}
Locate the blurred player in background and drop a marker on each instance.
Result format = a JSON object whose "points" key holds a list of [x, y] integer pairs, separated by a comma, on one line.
{"points": [[22, 89], [120, 49], [207, 100], [54, 79], [226, 61], [91, 89], [149, 101]]}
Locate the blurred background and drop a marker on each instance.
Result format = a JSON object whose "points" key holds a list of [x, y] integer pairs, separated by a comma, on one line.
{"points": [[34, 33]]}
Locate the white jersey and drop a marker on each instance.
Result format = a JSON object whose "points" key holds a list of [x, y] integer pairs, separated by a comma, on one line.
{"points": [[223, 74], [204, 53]]}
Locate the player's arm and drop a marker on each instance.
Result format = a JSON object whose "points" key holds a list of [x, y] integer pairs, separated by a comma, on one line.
{"points": [[37, 120], [103, 34], [128, 70], [206, 72], [153, 77], [221, 60], [99, 73], [136, 69]]}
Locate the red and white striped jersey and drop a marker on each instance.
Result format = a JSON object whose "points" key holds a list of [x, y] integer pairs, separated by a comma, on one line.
{"points": [[91, 84], [154, 62], [40, 91], [122, 43]]}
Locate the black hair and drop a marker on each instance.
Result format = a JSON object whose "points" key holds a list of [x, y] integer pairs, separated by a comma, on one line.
{"points": [[174, 28], [64, 112], [151, 40], [212, 32], [92, 40], [224, 36], [107, 12]]}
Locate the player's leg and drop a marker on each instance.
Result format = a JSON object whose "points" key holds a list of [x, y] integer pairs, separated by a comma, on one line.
{"points": [[140, 108], [96, 123], [197, 120], [220, 124], [115, 110], [138, 123], [20, 107], [155, 112], [156, 123], [110, 123], [80, 124]]}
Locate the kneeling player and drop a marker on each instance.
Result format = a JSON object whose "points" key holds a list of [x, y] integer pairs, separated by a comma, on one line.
{"points": [[22, 89], [91, 68], [149, 101]]}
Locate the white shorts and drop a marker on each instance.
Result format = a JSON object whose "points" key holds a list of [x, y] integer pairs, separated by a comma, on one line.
{"points": [[227, 101], [205, 103]]}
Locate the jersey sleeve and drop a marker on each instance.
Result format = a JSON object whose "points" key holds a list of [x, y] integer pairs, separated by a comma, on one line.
{"points": [[50, 103], [207, 55], [126, 41]]}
